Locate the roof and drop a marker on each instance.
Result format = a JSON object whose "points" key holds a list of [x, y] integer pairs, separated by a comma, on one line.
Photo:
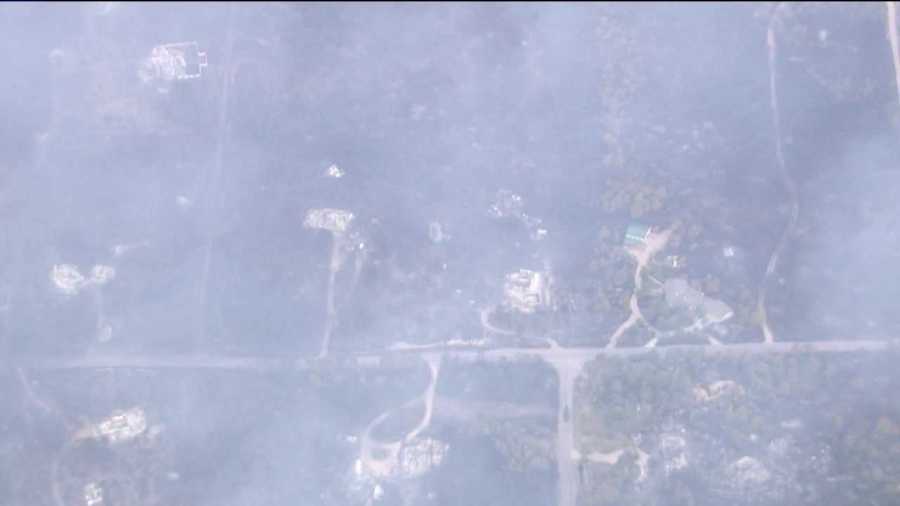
{"points": [[636, 234]]}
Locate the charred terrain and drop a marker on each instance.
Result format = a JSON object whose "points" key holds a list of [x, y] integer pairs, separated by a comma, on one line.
{"points": [[531, 254]]}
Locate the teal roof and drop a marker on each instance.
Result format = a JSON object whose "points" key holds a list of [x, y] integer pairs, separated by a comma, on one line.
{"points": [[636, 234]]}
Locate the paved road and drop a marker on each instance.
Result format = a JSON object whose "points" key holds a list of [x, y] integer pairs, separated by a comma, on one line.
{"points": [[567, 362], [567, 370], [396, 358]]}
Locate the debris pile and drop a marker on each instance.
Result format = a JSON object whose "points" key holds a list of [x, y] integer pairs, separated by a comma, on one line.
{"points": [[421, 455], [70, 281], [93, 494], [336, 221], [119, 427], [673, 448], [717, 389], [175, 61], [748, 471], [334, 171], [509, 205], [526, 291]]}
